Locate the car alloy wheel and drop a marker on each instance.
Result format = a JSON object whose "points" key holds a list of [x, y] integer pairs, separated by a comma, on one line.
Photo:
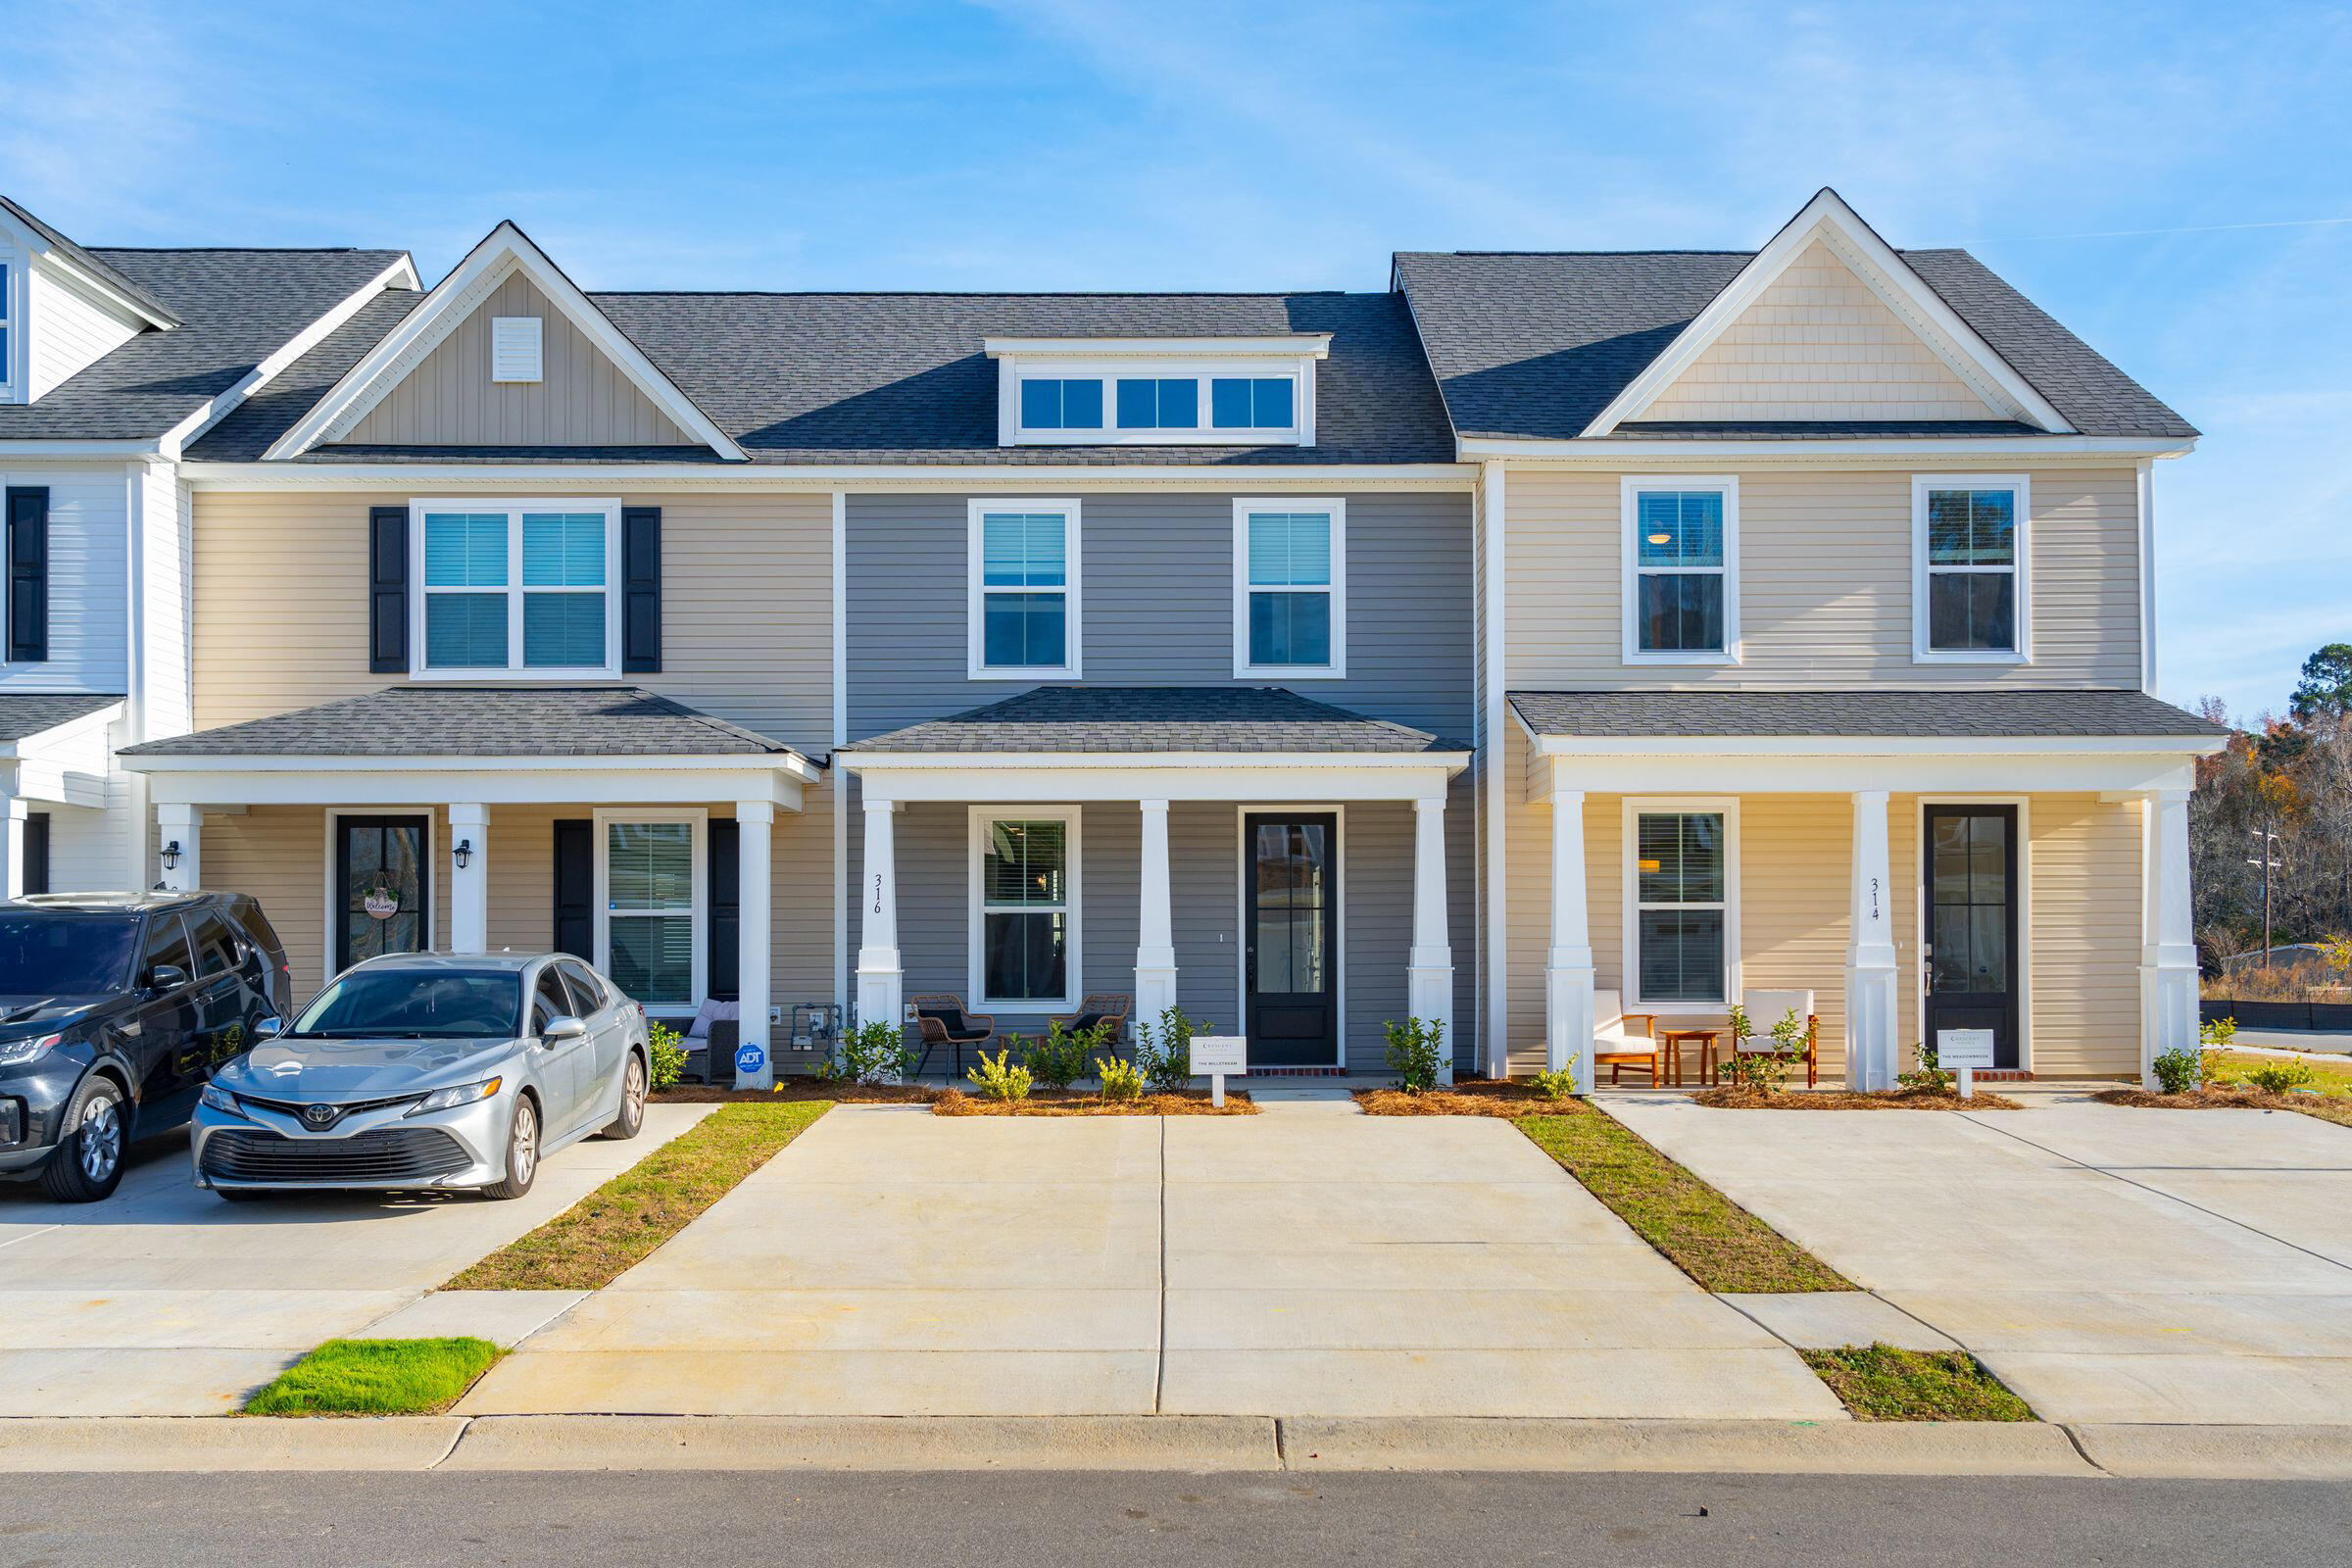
{"points": [[523, 1143], [100, 1147], [632, 1098]]}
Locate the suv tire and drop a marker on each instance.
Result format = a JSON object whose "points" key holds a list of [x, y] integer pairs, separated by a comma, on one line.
{"points": [[88, 1163]]}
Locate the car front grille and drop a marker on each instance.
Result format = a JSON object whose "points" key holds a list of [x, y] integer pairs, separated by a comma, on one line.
{"points": [[385, 1155]]}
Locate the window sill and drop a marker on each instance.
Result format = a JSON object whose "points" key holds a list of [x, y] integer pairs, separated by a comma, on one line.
{"points": [[1290, 672], [1032, 672], [1927, 656], [1721, 660], [1026, 1007], [507, 674]]}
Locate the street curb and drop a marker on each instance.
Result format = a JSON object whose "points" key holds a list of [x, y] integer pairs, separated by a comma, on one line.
{"points": [[2220, 1453], [36, 1443], [1753, 1447], [866, 1443]]}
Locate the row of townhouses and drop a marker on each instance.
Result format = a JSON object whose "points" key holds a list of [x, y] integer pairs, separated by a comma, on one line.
{"points": [[1546, 635]]}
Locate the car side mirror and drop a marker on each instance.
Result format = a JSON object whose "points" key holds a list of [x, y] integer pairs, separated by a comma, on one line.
{"points": [[269, 1028], [559, 1030], [166, 977]]}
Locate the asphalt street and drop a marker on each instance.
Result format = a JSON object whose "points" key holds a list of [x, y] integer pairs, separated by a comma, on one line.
{"points": [[1035, 1518]]}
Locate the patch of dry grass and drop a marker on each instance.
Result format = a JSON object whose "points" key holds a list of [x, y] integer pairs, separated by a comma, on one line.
{"points": [[955, 1102], [1472, 1097], [1849, 1099], [2324, 1107], [799, 1090]]}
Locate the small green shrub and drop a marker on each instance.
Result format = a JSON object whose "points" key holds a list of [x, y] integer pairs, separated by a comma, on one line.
{"points": [[1754, 1072], [2217, 1033], [667, 1054], [1164, 1051], [1415, 1052], [1741, 1027], [2282, 1077], [1557, 1085], [872, 1053], [1789, 1034], [1927, 1078], [1057, 1057], [1122, 1081], [1000, 1077], [2179, 1071]]}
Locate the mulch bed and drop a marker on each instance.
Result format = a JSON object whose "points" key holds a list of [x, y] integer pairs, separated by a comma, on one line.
{"points": [[2326, 1107], [1845, 1100], [1068, 1103], [1467, 1096], [790, 1090]]}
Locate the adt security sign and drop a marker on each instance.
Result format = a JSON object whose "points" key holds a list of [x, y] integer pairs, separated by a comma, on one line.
{"points": [[750, 1058], [1963, 1050], [1219, 1056]]}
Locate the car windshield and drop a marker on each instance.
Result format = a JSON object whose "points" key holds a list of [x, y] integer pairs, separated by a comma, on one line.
{"points": [[414, 1005], [54, 954]]}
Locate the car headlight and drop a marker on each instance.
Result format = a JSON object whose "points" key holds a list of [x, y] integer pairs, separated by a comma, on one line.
{"points": [[216, 1097], [457, 1094], [13, 1051]]}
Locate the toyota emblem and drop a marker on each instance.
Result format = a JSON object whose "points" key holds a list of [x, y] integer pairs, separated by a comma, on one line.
{"points": [[320, 1115]]}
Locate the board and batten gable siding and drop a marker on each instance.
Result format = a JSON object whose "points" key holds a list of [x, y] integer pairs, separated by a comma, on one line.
{"points": [[581, 400], [1824, 582], [90, 593], [67, 330], [280, 605]]}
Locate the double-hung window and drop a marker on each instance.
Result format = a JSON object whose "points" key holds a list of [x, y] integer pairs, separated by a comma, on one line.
{"points": [[653, 905], [1682, 900], [1682, 571], [515, 589], [1969, 568], [1289, 588], [1022, 603], [1024, 906]]}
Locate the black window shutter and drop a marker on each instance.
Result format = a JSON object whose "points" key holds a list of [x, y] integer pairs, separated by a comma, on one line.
{"points": [[389, 590], [724, 962], [575, 888], [641, 590], [27, 574], [36, 852]]}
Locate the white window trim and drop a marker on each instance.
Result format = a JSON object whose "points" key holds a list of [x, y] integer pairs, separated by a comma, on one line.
{"points": [[12, 306], [1298, 370], [1631, 488], [503, 327], [1634, 808], [1246, 867], [976, 595], [700, 851], [1336, 669], [2021, 568], [516, 669], [1073, 970]]}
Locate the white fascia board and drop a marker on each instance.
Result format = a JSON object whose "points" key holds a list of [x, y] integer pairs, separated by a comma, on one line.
{"points": [[1151, 776], [505, 251], [791, 765], [98, 289], [595, 784], [1876, 451], [1307, 345], [1761, 746], [477, 477], [2115, 775], [16, 452], [1828, 218], [400, 274]]}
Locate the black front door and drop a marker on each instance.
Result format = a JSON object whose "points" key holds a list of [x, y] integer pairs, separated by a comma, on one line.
{"points": [[1293, 877], [1971, 923], [383, 887]]}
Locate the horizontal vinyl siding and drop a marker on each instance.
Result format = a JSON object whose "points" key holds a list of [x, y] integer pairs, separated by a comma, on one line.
{"points": [[1824, 584], [68, 331], [90, 592], [2085, 958]]}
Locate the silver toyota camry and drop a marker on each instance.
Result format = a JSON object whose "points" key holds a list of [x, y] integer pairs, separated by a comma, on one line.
{"points": [[427, 1071]]}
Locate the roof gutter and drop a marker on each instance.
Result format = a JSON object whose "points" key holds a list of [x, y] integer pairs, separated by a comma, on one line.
{"points": [[1614, 453]]}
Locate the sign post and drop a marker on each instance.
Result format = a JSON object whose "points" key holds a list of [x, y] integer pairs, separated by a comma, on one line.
{"points": [[1218, 1055], [1963, 1050]]}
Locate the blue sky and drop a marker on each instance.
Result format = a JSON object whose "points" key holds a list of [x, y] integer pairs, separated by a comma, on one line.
{"points": [[2173, 182]]}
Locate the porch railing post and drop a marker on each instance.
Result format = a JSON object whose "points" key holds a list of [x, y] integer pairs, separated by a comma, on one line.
{"points": [[469, 883], [754, 825], [1429, 987], [2168, 964], [1871, 1019], [1155, 922], [880, 980], [1568, 1021]]}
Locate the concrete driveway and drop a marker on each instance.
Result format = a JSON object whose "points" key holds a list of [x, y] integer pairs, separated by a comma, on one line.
{"points": [[2109, 1264], [1306, 1262], [166, 1300]]}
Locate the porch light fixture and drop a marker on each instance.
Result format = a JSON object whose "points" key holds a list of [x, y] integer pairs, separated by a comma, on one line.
{"points": [[464, 853], [172, 856]]}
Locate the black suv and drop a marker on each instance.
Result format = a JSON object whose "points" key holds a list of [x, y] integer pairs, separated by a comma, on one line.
{"points": [[115, 1008]]}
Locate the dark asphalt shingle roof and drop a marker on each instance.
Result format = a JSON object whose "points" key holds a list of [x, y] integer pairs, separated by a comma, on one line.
{"points": [[94, 264], [235, 308], [480, 722], [1535, 344], [865, 378], [1159, 718], [2005, 714], [24, 714]]}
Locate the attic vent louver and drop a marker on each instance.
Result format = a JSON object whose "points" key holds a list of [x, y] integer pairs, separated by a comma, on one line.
{"points": [[515, 348]]}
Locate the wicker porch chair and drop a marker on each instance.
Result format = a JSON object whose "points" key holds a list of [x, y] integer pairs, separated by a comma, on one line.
{"points": [[1100, 1007], [1614, 1047], [940, 1020], [1767, 1007]]}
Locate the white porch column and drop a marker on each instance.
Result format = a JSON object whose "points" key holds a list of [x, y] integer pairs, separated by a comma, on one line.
{"points": [[880, 980], [755, 827], [174, 824], [469, 883], [12, 846], [1429, 980], [1155, 923], [2168, 961], [1568, 1021], [1871, 1016]]}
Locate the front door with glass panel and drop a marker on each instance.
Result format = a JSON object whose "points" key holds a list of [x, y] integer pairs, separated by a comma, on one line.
{"points": [[1971, 923], [652, 910], [383, 887], [1292, 876]]}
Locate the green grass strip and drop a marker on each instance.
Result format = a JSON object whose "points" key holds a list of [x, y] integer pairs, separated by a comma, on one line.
{"points": [[1880, 1383], [377, 1377], [1704, 1234], [617, 1227]]}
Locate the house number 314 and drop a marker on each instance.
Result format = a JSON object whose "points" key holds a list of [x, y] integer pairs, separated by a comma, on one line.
{"points": [[1874, 897]]}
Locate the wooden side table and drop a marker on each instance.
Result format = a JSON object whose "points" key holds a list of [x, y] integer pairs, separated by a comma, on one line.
{"points": [[1673, 1040]]}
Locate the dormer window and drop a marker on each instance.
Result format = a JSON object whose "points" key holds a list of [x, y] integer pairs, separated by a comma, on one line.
{"points": [[1158, 391]]}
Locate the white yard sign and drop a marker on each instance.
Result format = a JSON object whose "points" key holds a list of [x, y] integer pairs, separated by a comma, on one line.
{"points": [[1220, 1055], [1963, 1050]]}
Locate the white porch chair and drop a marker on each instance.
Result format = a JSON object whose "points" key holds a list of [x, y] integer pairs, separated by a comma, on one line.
{"points": [[1767, 1007], [1614, 1047]]}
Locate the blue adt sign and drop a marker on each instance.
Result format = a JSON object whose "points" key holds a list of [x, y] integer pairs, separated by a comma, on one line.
{"points": [[750, 1058]]}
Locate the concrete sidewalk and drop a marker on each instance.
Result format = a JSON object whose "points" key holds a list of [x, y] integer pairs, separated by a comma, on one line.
{"points": [[2112, 1265], [1306, 1262]]}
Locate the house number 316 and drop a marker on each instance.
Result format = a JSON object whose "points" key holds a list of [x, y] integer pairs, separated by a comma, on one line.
{"points": [[877, 893]]}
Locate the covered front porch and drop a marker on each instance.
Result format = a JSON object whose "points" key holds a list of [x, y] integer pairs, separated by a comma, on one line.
{"points": [[610, 822], [1914, 861], [1279, 867]]}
